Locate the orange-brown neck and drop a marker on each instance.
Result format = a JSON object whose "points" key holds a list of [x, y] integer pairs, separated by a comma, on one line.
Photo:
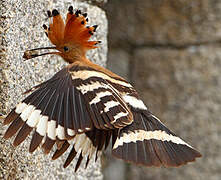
{"points": [[73, 54]]}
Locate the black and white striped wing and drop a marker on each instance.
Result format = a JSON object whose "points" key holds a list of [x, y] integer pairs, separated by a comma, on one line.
{"points": [[147, 141], [109, 109], [86, 144], [69, 103]]}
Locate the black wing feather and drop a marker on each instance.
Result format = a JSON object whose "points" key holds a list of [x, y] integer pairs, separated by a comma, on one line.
{"points": [[94, 108], [64, 104], [151, 143]]}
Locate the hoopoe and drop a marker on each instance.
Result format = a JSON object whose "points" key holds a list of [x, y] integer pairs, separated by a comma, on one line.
{"points": [[84, 105]]}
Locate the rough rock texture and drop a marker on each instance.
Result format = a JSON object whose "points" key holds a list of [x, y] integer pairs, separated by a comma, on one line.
{"points": [[182, 88], [174, 22], [174, 61], [119, 63], [21, 29]]}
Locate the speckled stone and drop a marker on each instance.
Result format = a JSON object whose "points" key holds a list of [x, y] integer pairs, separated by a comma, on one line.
{"points": [[175, 63], [119, 63], [182, 87], [21, 29], [164, 22]]}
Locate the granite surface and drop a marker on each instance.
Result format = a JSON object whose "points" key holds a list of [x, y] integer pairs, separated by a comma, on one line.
{"points": [[164, 22], [21, 29]]}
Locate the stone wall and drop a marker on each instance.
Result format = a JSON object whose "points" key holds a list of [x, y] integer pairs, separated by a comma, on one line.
{"points": [[170, 51], [21, 29]]}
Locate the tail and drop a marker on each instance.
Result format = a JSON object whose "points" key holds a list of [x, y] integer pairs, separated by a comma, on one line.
{"points": [[148, 142]]}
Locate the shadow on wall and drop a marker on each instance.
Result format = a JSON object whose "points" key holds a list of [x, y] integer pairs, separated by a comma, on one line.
{"points": [[169, 50]]}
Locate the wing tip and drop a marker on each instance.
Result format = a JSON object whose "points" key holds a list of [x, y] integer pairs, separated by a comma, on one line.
{"points": [[70, 157], [10, 117], [22, 134], [155, 165], [35, 142], [60, 151], [13, 128], [159, 162]]}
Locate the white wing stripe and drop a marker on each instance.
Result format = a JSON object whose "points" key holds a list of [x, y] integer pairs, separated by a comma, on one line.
{"points": [[99, 95], [118, 116], [42, 125], [84, 74], [51, 131], [60, 132], [110, 104], [71, 132], [27, 112], [134, 102], [80, 139], [20, 107], [84, 88], [34, 118], [140, 135]]}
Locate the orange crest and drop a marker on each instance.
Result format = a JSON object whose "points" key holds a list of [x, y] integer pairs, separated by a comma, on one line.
{"points": [[73, 31]]}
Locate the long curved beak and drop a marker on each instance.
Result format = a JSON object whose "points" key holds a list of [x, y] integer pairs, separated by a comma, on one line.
{"points": [[32, 53]]}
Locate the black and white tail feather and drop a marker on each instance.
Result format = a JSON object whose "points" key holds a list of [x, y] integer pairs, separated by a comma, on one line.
{"points": [[81, 108]]}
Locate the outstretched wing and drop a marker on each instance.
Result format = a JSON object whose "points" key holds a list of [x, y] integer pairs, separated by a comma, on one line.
{"points": [[76, 100], [147, 141], [83, 106]]}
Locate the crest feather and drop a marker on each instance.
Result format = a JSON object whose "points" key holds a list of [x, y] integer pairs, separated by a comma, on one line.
{"points": [[74, 31]]}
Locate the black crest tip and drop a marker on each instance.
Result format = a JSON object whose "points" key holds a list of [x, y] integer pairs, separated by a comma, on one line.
{"points": [[70, 9], [95, 27], [45, 27], [98, 42], [55, 12], [78, 12]]}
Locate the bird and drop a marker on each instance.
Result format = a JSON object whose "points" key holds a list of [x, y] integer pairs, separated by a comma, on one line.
{"points": [[85, 107]]}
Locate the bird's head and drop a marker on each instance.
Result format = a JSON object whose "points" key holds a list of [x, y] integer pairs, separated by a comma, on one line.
{"points": [[71, 38]]}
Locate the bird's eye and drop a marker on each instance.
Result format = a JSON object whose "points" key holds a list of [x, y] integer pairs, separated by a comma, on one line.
{"points": [[66, 49]]}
